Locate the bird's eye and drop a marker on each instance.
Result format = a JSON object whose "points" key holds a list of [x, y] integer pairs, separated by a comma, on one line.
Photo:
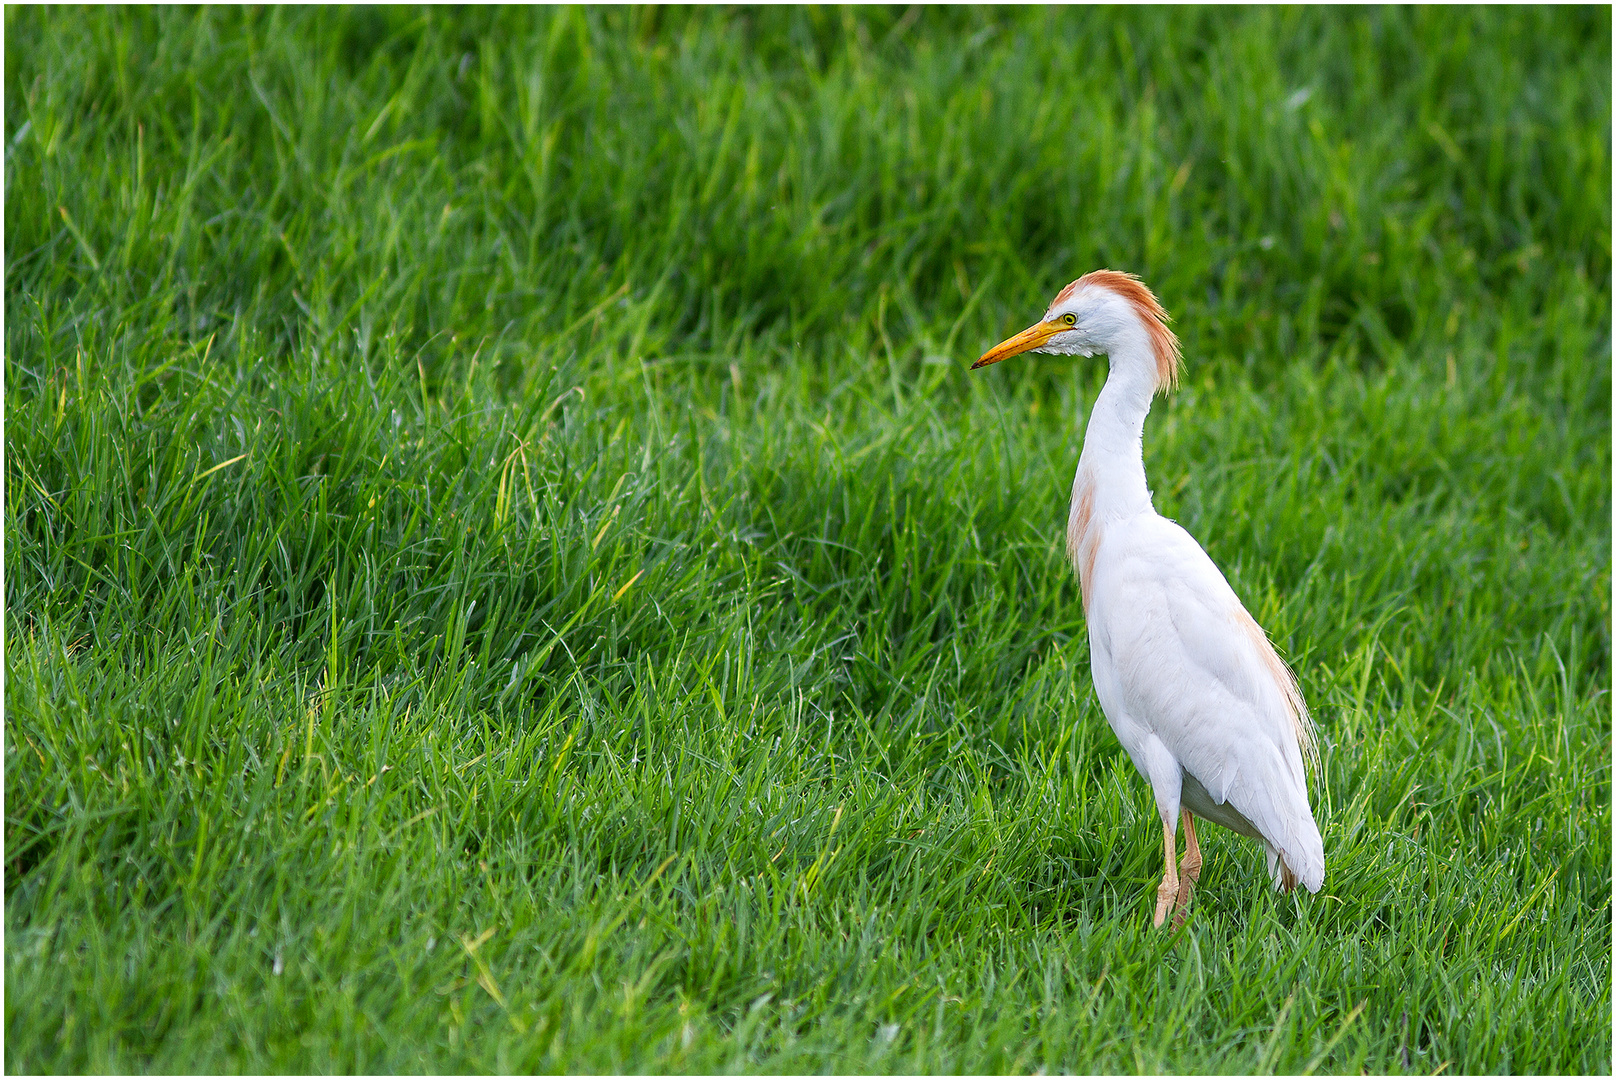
{"points": [[1069, 319]]}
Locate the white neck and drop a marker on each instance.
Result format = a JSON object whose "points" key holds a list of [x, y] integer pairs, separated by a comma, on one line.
{"points": [[1113, 459]]}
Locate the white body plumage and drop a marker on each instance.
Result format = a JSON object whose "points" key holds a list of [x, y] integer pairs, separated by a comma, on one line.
{"points": [[1196, 694]]}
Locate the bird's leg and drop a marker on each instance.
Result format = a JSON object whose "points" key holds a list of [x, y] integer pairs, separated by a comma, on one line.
{"points": [[1167, 892], [1189, 869]]}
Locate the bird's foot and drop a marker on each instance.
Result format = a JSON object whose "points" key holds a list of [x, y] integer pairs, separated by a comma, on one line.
{"points": [[1166, 895], [1189, 871], [1181, 905]]}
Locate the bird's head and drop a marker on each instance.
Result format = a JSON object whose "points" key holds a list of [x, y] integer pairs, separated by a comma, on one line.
{"points": [[1103, 311]]}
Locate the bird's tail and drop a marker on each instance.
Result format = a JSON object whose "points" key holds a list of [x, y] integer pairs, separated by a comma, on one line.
{"points": [[1305, 866]]}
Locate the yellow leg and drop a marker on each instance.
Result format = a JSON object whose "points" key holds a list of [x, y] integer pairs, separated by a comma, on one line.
{"points": [[1167, 892], [1189, 869]]}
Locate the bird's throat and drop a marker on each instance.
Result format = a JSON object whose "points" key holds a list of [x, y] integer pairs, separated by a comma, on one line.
{"points": [[1113, 443]]}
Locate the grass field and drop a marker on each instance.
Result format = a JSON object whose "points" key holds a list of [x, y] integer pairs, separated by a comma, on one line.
{"points": [[507, 569]]}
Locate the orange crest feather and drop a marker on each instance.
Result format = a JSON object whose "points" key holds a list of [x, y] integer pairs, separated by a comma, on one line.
{"points": [[1163, 342]]}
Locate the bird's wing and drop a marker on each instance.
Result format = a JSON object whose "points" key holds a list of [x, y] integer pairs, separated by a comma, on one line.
{"points": [[1191, 665]]}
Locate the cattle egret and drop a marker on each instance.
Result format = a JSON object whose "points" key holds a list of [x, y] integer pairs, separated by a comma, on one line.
{"points": [[1197, 695]]}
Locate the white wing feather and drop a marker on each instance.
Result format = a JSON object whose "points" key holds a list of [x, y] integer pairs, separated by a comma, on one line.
{"points": [[1184, 665]]}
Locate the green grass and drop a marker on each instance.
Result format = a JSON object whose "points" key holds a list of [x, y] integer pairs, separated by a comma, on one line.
{"points": [[506, 568]]}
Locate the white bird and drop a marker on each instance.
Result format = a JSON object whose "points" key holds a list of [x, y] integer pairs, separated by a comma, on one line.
{"points": [[1189, 682]]}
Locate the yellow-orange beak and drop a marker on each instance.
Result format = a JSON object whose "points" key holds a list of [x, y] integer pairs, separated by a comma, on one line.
{"points": [[1027, 340]]}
